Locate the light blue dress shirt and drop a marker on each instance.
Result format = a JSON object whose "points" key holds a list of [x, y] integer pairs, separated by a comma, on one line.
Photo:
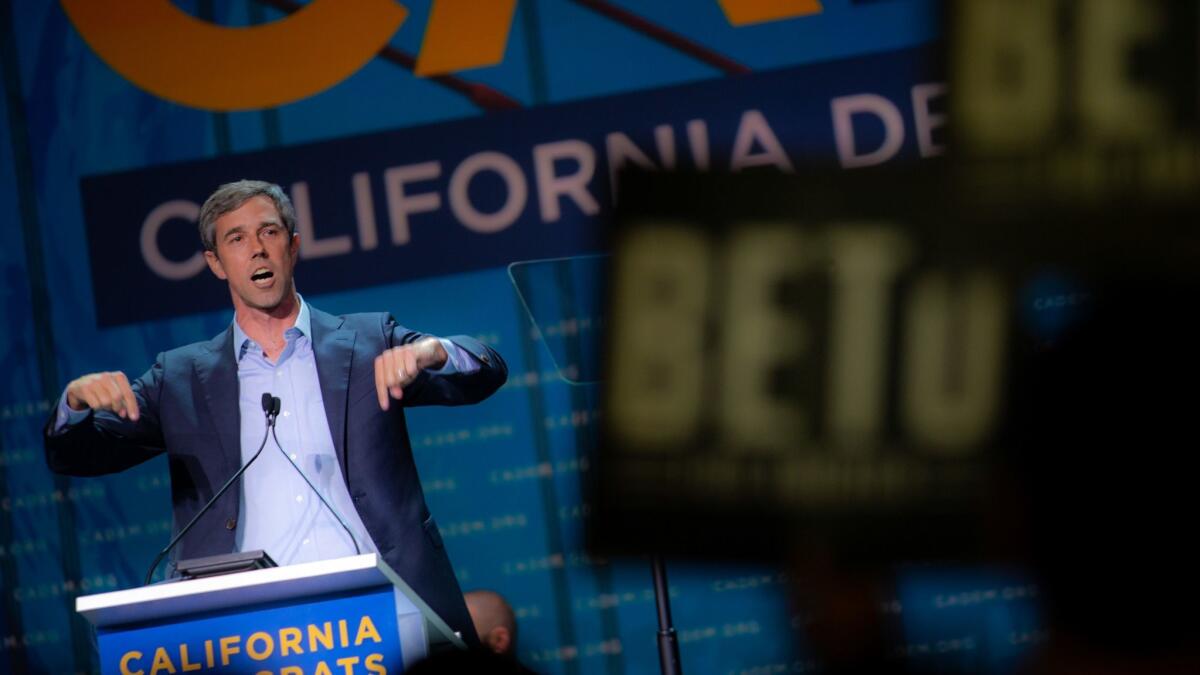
{"points": [[279, 512]]}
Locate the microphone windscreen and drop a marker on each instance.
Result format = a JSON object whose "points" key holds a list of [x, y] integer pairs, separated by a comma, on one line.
{"points": [[275, 403], [266, 402]]}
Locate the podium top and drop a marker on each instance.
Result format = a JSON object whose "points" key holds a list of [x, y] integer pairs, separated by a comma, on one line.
{"points": [[162, 600]]}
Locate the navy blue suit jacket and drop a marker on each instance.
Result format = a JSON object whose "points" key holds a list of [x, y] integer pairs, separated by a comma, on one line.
{"points": [[188, 403]]}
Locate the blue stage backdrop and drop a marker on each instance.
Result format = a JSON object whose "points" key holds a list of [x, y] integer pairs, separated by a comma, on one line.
{"points": [[434, 173]]}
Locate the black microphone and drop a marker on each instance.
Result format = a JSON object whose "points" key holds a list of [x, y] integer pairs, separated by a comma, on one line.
{"points": [[336, 515], [270, 406]]}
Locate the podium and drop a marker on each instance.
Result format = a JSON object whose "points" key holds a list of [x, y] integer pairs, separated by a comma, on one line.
{"points": [[348, 615]]}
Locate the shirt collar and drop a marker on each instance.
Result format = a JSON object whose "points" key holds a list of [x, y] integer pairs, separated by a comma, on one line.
{"points": [[242, 342]]}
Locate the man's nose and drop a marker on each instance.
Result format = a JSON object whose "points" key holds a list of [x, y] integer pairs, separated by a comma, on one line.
{"points": [[259, 248]]}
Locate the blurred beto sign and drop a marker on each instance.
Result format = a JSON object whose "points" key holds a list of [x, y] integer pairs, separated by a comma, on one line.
{"points": [[1082, 96], [830, 354]]}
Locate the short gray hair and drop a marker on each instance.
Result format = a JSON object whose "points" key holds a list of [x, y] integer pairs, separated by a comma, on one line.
{"points": [[230, 197]]}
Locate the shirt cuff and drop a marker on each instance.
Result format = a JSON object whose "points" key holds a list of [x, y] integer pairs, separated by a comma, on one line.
{"points": [[458, 360], [67, 416]]}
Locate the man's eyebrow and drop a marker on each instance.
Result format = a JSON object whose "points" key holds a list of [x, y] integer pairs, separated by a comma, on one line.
{"points": [[236, 229]]}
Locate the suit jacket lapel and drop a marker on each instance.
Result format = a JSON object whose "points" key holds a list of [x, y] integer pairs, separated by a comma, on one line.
{"points": [[333, 348], [216, 368]]}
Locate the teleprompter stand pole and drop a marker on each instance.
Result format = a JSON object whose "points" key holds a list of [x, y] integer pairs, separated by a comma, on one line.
{"points": [[668, 642]]}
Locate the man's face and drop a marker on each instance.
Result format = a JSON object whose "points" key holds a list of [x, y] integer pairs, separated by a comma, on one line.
{"points": [[255, 255]]}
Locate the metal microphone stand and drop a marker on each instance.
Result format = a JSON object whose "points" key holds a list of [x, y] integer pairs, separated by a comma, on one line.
{"points": [[668, 641]]}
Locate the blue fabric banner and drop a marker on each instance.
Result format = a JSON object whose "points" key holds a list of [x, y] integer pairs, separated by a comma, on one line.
{"points": [[483, 192]]}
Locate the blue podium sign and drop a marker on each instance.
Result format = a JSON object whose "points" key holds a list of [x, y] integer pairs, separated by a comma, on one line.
{"points": [[351, 615], [352, 632]]}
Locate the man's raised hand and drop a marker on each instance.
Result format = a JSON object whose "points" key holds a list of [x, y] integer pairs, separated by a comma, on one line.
{"points": [[103, 391], [397, 367]]}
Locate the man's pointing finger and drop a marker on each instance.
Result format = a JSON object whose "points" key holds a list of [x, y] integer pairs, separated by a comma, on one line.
{"points": [[131, 405], [380, 384]]}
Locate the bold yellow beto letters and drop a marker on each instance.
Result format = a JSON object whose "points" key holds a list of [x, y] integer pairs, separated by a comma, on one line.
{"points": [[176, 56]]}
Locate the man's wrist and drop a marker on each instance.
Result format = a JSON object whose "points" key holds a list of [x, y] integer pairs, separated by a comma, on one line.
{"points": [[67, 416], [435, 356]]}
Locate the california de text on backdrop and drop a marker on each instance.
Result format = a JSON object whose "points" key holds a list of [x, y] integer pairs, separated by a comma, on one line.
{"points": [[386, 207]]}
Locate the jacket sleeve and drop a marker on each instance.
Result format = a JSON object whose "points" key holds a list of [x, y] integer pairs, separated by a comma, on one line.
{"points": [[452, 388], [103, 442]]}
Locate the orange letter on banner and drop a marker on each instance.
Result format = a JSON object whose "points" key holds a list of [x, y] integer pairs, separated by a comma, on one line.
{"points": [[465, 34], [289, 641], [745, 12], [176, 56], [130, 656], [366, 629]]}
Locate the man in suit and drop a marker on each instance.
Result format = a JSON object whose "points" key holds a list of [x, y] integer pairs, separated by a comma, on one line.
{"points": [[201, 403]]}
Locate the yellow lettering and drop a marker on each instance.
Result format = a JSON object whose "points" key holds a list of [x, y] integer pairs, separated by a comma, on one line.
{"points": [[229, 647], [670, 408], [289, 641], [324, 635], [464, 34], [366, 629], [374, 664], [162, 661], [347, 664], [343, 633], [184, 664], [130, 656], [745, 12], [291, 670], [322, 669], [208, 654], [259, 654], [203, 65]]}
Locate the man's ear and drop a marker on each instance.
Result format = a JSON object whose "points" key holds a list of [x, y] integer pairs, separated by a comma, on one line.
{"points": [[214, 264], [295, 245], [498, 640]]}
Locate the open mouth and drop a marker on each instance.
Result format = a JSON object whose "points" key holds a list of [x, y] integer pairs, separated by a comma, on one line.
{"points": [[262, 277]]}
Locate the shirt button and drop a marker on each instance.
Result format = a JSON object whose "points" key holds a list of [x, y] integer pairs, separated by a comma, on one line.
{"points": [[305, 541], [231, 523], [279, 373], [293, 455], [299, 498], [287, 413]]}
